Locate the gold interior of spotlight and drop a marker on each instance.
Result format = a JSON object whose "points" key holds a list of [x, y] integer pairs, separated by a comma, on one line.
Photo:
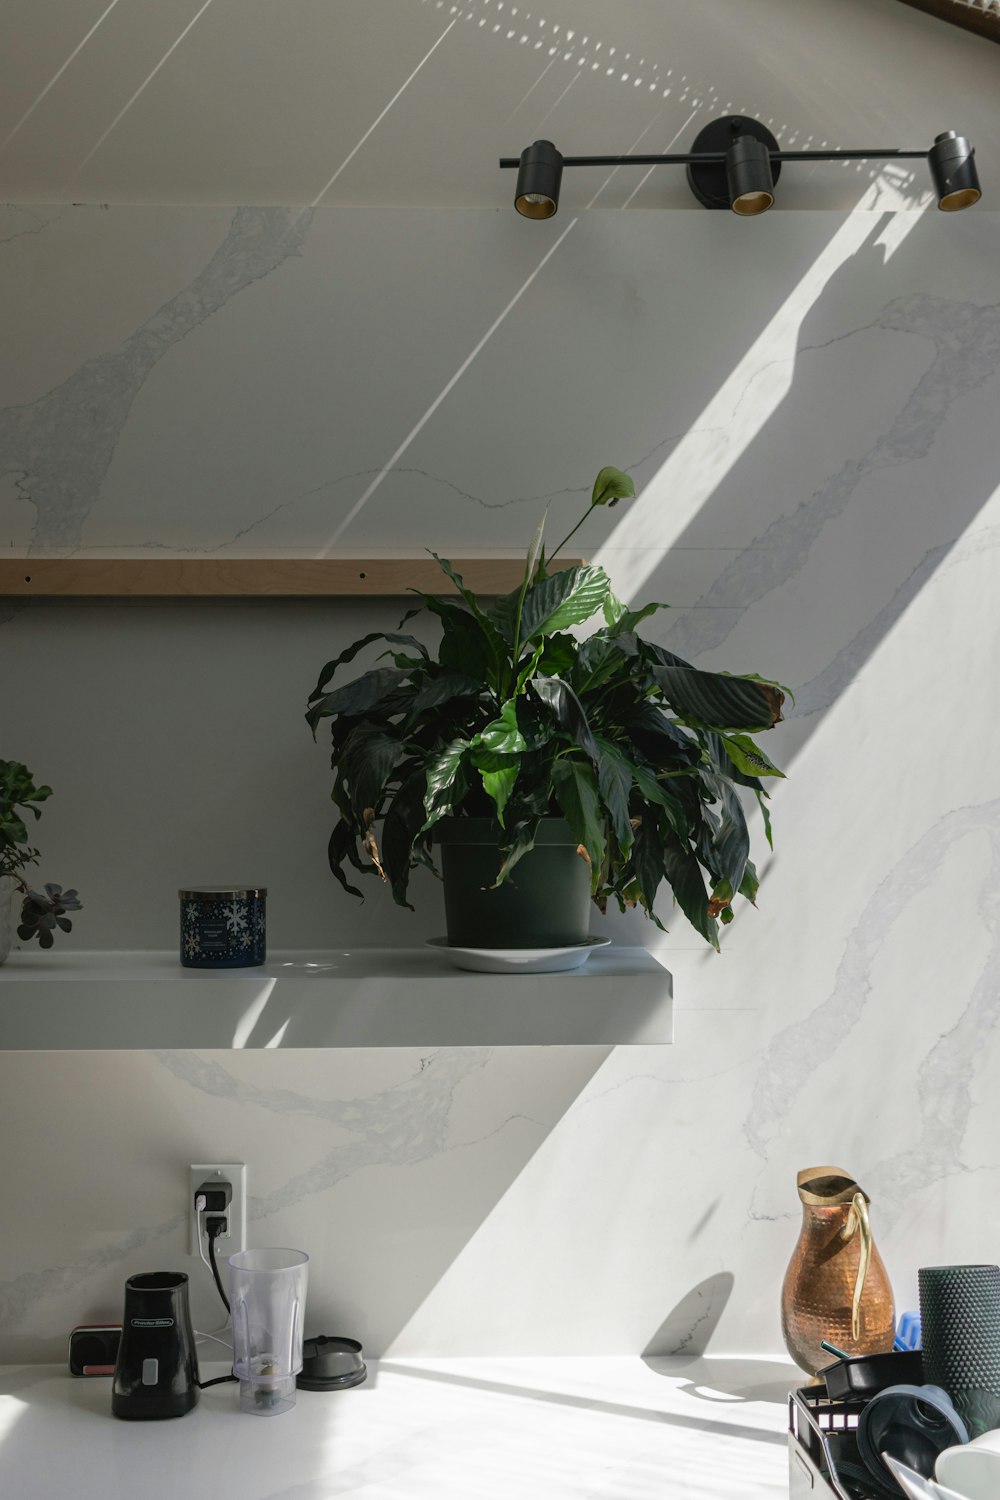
{"points": [[960, 198], [535, 206], [756, 202]]}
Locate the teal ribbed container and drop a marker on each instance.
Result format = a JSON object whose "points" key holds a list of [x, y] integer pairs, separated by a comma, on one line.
{"points": [[960, 1316]]}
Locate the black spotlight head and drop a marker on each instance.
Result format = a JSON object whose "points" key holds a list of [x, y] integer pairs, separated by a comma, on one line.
{"points": [[539, 175], [709, 181], [953, 171], [748, 175]]}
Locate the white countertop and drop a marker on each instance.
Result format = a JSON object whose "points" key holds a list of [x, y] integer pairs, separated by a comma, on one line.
{"points": [[709, 1428], [368, 997]]}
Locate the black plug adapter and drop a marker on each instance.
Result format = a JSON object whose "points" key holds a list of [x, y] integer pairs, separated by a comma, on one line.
{"points": [[217, 1195]]}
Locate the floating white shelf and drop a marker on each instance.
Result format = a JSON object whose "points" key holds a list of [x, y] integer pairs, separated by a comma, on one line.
{"points": [[403, 997]]}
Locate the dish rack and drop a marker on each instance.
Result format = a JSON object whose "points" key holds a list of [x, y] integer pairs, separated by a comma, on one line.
{"points": [[822, 1437]]}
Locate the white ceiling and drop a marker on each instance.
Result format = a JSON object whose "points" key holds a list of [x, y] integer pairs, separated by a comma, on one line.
{"points": [[413, 101]]}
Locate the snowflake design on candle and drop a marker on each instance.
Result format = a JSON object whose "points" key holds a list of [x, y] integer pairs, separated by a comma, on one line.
{"points": [[236, 919]]}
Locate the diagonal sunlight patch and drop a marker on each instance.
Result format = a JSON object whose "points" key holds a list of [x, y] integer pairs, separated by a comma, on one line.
{"points": [[55, 77], [11, 1407], [744, 403], [527, 96], [379, 118], [252, 1014], [550, 112], [615, 170], [141, 89], [668, 147], [359, 504]]}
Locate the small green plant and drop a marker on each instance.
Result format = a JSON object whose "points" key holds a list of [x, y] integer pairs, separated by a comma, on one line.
{"points": [[644, 754], [41, 913]]}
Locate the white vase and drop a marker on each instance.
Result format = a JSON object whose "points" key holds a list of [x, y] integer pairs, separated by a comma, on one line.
{"points": [[7, 889]]}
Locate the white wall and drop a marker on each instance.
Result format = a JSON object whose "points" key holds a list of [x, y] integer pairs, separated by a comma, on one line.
{"points": [[808, 405]]}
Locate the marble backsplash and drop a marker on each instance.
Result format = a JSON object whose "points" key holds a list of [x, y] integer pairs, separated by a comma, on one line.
{"points": [[811, 423]]}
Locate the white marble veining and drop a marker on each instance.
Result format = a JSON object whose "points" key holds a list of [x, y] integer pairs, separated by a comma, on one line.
{"points": [[557, 1429], [816, 453]]}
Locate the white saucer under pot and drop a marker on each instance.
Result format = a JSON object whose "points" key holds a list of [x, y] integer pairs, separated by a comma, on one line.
{"points": [[518, 960]]}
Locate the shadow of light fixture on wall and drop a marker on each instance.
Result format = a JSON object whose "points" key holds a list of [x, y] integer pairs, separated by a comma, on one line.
{"points": [[734, 163]]}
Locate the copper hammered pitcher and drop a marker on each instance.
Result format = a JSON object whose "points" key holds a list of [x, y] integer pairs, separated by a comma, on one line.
{"points": [[836, 1287]]}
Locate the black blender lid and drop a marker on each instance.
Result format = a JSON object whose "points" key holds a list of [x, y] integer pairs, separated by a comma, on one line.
{"points": [[331, 1363]]}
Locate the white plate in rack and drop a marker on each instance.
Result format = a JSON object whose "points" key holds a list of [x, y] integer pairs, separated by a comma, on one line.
{"points": [[519, 960]]}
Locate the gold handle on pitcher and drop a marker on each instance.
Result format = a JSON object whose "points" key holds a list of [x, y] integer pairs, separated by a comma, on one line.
{"points": [[858, 1219]]}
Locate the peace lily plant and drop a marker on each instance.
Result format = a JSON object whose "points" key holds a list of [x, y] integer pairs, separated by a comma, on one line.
{"points": [[518, 719]]}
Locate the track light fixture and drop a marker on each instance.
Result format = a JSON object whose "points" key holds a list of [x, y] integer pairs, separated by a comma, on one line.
{"points": [[734, 163], [953, 170], [538, 178]]}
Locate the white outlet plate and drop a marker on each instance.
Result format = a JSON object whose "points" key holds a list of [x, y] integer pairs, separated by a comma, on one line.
{"points": [[234, 1172]]}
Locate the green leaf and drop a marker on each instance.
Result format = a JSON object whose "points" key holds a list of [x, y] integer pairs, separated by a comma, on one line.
{"points": [[459, 583], [529, 669], [500, 783], [748, 757], [659, 738], [721, 760], [614, 780], [628, 619], [610, 486], [597, 661], [356, 697], [762, 804], [731, 841], [502, 736], [15, 829], [718, 700], [647, 859], [367, 759], [575, 785], [684, 873], [521, 840], [750, 884], [566, 706], [614, 610], [342, 840], [442, 689], [401, 826], [471, 642], [663, 797], [567, 598], [441, 772], [352, 651], [466, 646]]}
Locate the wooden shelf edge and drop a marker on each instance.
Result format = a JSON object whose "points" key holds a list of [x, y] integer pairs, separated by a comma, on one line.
{"points": [[968, 17], [212, 578]]}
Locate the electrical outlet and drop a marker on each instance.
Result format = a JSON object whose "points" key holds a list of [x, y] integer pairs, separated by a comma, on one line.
{"points": [[235, 1236]]}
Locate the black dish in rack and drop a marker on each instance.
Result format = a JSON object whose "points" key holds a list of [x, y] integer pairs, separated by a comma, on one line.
{"points": [[823, 1458]]}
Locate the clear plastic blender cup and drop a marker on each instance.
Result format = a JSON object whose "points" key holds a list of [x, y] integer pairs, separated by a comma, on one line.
{"points": [[267, 1290]]}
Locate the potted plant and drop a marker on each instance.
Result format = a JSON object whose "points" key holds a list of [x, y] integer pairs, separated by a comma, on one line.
{"points": [[41, 911], [550, 770]]}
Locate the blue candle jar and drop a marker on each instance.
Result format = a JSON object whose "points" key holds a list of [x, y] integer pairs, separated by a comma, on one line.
{"points": [[222, 927]]}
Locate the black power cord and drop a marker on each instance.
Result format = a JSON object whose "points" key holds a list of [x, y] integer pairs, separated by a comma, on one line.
{"points": [[215, 1226]]}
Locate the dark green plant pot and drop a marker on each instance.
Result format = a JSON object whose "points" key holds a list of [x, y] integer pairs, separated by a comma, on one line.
{"points": [[544, 904]]}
